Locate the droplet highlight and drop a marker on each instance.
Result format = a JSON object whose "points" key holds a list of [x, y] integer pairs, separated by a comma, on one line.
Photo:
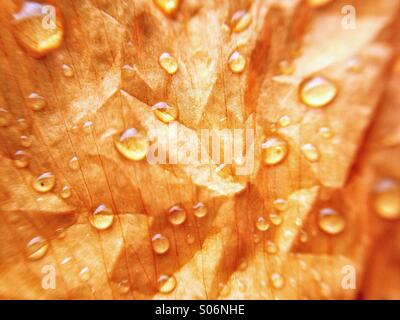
{"points": [[168, 63], [236, 62]]}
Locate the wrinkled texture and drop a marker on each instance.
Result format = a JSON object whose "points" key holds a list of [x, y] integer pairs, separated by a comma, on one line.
{"points": [[113, 49]]}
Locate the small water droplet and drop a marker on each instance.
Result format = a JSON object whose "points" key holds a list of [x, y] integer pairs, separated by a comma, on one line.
{"points": [[67, 71], [21, 159], [5, 117], [262, 224], [65, 192], [165, 112], [45, 182], [284, 121], [102, 217], [37, 248], [281, 204], [271, 247], [275, 150], [87, 126], [277, 280], [26, 141], [303, 236], [275, 218], [237, 62], [36, 102], [310, 152], [21, 123], [34, 32], [317, 92], [168, 63], [169, 7], [286, 68], [132, 144], [240, 21], [166, 284], [160, 243], [386, 199], [176, 215], [74, 163], [200, 210], [326, 133], [330, 221], [84, 274]]}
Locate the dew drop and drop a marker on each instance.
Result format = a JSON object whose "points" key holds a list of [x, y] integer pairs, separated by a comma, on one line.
{"points": [[317, 92], [237, 62], [281, 204], [169, 7], [271, 247], [165, 112], [277, 280], [74, 163], [102, 217], [84, 274], [87, 126], [30, 32], [176, 215], [5, 117], [200, 210], [386, 199], [330, 221], [286, 68], [240, 21], [168, 63], [26, 141], [166, 284], [310, 152], [274, 150], [262, 224], [325, 132], [65, 192], [68, 72], [45, 182], [37, 248], [21, 159], [36, 102], [132, 144], [275, 218], [284, 121], [160, 244]]}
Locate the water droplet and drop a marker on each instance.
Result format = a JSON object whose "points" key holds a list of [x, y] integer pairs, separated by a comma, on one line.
{"points": [[317, 92], [325, 133], [176, 215], [166, 284], [132, 144], [169, 7], [275, 218], [310, 152], [36, 102], [160, 243], [84, 274], [74, 163], [61, 233], [67, 71], [200, 210], [271, 247], [262, 224], [37, 248], [26, 141], [45, 182], [284, 121], [21, 123], [34, 32], [65, 192], [21, 159], [281, 204], [102, 217], [330, 221], [286, 68], [124, 286], [274, 150], [87, 126], [386, 199], [165, 112], [5, 117], [277, 280], [237, 62], [168, 63], [240, 21]]}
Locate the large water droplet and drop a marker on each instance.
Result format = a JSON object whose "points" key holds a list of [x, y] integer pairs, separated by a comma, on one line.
{"points": [[310, 152], [330, 221], [166, 284], [168, 63], [275, 150], [386, 199], [165, 112], [317, 92], [160, 243], [240, 21], [37, 248], [45, 182], [169, 7], [36, 29], [176, 215], [132, 144], [262, 224], [200, 210], [236, 62], [102, 217]]}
